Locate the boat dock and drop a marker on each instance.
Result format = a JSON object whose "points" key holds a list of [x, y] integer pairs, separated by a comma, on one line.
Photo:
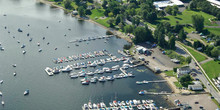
{"points": [[146, 82], [90, 39], [122, 53], [122, 105], [142, 92]]}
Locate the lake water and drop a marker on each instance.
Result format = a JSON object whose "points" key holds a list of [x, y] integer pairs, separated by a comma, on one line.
{"points": [[58, 92]]}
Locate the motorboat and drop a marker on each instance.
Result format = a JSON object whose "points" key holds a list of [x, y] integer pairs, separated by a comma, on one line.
{"points": [[0, 93], [110, 78], [102, 79], [131, 75], [90, 73], [23, 46], [85, 82], [14, 73], [49, 71], [73, 75], [26, 92], [14, 65], [1, 81], [38, 44], [40, 50], [3, 103], [56, 71], [24, 52], [19, 30], [67, 69]]}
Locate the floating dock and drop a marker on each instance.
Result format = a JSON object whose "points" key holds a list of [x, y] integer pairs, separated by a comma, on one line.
{"points": [[142, 92], [146, 82]]}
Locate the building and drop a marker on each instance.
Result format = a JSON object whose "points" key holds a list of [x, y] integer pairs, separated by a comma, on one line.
{"points": [[183, 70], [195, 87], [142, 50], [215, 3], [163, 4]]}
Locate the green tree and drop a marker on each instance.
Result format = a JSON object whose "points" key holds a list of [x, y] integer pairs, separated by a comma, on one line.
{"points": [[188, 59], [110, 22], [67, 4], [104, 4], [185, 80], [172, 43], [215, 52], [161, 13], [77, 2], [81, 11], [140, 35], [198, 22], [182, 35], [168, 10], [129, 28]]}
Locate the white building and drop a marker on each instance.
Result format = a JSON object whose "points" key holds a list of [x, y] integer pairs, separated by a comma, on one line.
{"points": [[215, 3], [163, 4], [183, 70], [196, 87]]}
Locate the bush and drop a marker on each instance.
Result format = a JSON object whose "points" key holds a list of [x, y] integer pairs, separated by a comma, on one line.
{"points": [[127, 46], [109, 32]]}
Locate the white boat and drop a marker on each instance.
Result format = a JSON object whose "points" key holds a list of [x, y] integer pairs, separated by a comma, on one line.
{"points": [[73, 75], [3, 103], [38, 44], [110, 78], [90, 73], [26, 92], [0, 93], [14, 73], [56, 71], [1, 48], [67, 69], [40, 50], [1, 81], [102, 79], [49, 71], [14, 65], [23, 46], [24, 52]]}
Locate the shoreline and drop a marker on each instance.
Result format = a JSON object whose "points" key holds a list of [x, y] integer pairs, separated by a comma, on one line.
{"points": [[115, 32]]}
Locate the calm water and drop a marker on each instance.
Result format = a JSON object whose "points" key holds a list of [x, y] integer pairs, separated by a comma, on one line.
{"points": [[58, 92]]}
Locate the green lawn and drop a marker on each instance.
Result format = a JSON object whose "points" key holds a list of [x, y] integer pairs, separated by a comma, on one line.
{"points": [[178, 85], [189, 29], [96, 13], [215, 31], [170, 73], [199, 57], [103, 22], [212, 68], [185, 18]]}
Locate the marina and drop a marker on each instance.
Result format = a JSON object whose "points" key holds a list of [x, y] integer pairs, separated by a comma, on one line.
{"points": [[122, 105], [60, 82]]}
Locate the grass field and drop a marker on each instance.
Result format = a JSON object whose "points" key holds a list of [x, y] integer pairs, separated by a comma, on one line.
{"points": [[178, 85], [199, 57], [103, 22], [215, 31], [212, 68], [170, 73], [185, 18], [96, 13]]}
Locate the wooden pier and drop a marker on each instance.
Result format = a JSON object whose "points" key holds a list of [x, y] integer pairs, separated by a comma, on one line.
{"points": [[157, 93]]}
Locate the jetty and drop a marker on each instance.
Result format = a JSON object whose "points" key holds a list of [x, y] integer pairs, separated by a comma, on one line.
{"points": [[146, 82], [143, 92]]}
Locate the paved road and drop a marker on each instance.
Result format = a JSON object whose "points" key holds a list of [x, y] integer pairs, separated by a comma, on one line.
{"points": [[203, 79]]}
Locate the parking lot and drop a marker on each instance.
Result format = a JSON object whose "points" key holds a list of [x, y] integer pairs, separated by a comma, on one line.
{"points": [[195, 101]]}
